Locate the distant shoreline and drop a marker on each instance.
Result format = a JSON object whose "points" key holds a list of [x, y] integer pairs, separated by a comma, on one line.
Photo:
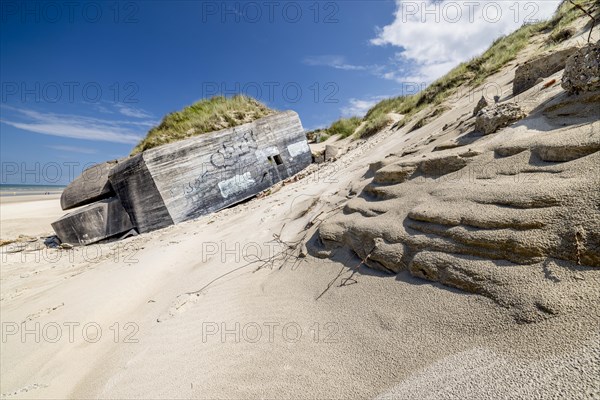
{"points": [[29, 198], [11, 190], [32, 193]]}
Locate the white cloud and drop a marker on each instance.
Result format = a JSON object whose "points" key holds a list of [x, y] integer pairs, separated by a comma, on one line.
{"points": [[333, 61], [131, 111], [72, 149], [359, 107], [101, 108], [78, 127], [434, 36]]}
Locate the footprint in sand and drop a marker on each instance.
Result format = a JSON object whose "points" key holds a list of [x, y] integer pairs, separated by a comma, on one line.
{"points": [[25, 389], [182, 303], [44, 311]]}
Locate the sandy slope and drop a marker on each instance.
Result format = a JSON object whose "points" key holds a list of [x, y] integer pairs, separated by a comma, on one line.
{"points": [[363, 335], [380, 335]]}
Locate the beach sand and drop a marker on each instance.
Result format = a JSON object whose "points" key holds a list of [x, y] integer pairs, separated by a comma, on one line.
{"points": [[28, 214], [276, 332]]}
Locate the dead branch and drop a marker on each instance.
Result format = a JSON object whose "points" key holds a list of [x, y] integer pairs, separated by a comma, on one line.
{"points": [[589, 14], [291, 250]]}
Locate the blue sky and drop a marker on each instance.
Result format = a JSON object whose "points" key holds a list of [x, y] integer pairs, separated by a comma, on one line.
{"points": [[81, 83]]}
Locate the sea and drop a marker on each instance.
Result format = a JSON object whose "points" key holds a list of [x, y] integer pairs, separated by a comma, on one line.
{"points": [[23, 190]]}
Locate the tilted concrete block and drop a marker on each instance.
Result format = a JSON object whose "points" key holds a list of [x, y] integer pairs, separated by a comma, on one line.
{"points": [[100, 220], [92, 185], [193, 177]]}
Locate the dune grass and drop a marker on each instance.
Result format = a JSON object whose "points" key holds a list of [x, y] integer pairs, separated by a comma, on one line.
{"points": [[567, 13], [344, 127], [374, 125], [474, 72], [204, 116]]}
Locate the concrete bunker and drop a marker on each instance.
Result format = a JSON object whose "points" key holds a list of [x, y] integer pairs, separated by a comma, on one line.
{"points": [[179, 181]]}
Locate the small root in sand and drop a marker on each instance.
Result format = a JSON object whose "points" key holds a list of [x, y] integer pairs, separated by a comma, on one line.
{"points": [[291, 250], [349, 280]]}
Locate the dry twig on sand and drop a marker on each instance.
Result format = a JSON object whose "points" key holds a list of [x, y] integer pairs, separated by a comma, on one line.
{"points": [[344, 282], [291, 250]]}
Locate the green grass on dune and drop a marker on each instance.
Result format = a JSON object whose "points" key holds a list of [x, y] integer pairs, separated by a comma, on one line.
{"points": [[344, 127], [474, 72], [204, 116], [567, 14], [373, 125]]}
